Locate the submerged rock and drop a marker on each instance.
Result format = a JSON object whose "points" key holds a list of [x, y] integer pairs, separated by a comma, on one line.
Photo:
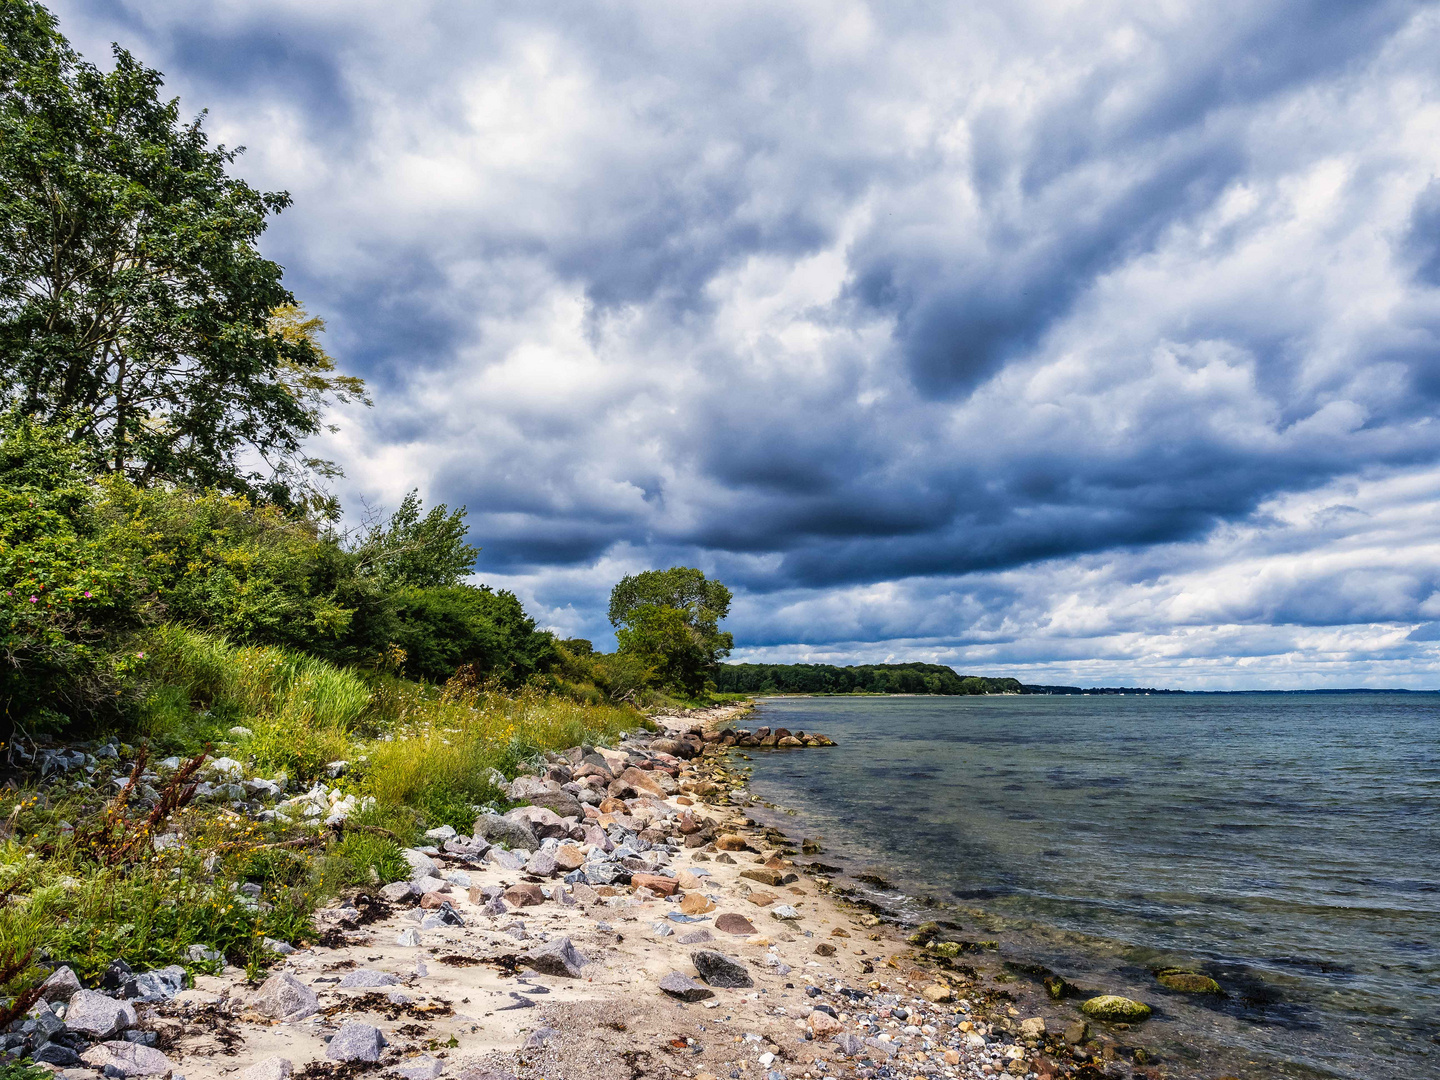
{"points": [[1115, 1008], [1187, 982]]}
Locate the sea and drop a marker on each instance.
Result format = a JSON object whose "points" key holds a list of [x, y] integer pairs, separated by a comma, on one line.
{"points": [[1287, 845]]}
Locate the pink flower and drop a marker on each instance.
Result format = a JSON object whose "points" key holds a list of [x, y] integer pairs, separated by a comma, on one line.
{"points": [[32, 599], [87, 594]]}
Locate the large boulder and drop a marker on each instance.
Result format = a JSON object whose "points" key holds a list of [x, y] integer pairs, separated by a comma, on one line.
{"points": [[60, 986], [284, 997], [511, 832], [98, 1016], [120, 1058]]}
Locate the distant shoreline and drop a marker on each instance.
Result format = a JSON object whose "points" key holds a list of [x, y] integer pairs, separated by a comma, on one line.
{"points": [[1104, 691]]}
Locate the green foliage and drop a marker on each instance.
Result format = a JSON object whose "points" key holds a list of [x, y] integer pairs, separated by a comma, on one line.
{"points": [[669, 620], [132, 293], [410, 551], [363, 858], [442, 629], [859, 679]]}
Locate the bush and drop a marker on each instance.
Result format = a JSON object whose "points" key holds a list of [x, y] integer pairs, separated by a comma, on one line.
{"points": [[444, 629]]}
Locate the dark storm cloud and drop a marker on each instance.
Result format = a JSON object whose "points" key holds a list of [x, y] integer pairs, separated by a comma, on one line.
{"points": [[908, 309]]}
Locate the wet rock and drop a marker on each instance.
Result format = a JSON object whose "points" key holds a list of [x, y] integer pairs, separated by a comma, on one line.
{"points": [[717, 969], [730, 923], [1187, 982], [937, 993], [1033, 1027], [120, 1058], [98, 1016], [557, 957], [1077, 1032], [365, 977], [1113, 1007], [685, 988], [272, 1068], [60, 986], [508, 831], [1059, 988], [284, 997], [356, 1041]]}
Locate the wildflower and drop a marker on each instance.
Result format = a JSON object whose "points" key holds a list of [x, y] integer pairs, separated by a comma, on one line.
{"points": [[87, 594], [33, 599]]}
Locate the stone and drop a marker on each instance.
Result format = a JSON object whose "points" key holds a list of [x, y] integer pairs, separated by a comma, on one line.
{"points": [[60, 986], [937, 993], [271, 1068], [717, 969], [824, 949], [356, 1041], [851, 1046], [641, 780], [226, 767], [696, 903], [656, 883], [569, 857], [423, 1067], [506, 860], [784, 911], [421, 865], [508, 831], [51, 1053], [444, 832], [1115, 1008], [557, 957], [730, 923], [696, 937], [397, 891], [120, 1058], [688, 880], [762, 899], [524, 894], [1188, 982], [433, 901], [730, 842], [98, 1016], [284, 997], [541, 864], [763, 876], [823, 1025], [408, 938], [1077, 1032], [365, 977], [685, 988], [152, 986], [1033, 1028]]}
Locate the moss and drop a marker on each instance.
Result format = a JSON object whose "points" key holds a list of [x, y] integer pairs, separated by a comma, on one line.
{"points": [[1187, 982], [1116, 1008]]}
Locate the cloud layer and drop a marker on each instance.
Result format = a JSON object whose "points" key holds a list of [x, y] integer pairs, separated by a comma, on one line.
{"points": [[1086, 342]]}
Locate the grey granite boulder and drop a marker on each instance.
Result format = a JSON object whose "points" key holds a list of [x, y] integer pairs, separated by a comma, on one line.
{"points": [[717, 969], [60, 985], [356, 1041], [365, 977], [557, 957], [120, 1058], [508, 831], [423, 1067], [284, 997], [421, 865], [271, 1068], [98, 1016], [397, 891]]}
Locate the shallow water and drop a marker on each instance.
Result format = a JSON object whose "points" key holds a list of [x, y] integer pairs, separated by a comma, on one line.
{"points": [[1289, 846]]}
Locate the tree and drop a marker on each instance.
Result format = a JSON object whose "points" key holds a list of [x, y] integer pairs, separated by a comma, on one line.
{"points": [[133, 298], [410, 551], [670, 620]]}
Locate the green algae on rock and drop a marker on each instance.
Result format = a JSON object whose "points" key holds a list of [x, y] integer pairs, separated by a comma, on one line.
{"points": [[1116, 1008], [1187, 982]]}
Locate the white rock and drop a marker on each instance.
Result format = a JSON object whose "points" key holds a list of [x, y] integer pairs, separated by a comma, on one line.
{"points": [[128, 1059], [274, 1068], [97, 1015]]}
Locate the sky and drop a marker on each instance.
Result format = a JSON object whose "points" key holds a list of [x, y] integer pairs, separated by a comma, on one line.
{"points": [[1092, 343]]}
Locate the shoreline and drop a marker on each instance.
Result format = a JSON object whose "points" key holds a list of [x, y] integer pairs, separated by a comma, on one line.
{"points": [[835, 991]]}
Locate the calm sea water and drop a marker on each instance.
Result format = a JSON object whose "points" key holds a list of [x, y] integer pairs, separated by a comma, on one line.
{"points": [[1289, 846]]}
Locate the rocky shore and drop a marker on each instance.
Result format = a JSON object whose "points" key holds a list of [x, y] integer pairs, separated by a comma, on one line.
{"points": [[629, 920]]}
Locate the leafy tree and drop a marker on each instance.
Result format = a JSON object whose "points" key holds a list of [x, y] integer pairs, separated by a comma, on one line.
{"points": [[410, 551], [670, 620], [132, 294], [442, 629]]}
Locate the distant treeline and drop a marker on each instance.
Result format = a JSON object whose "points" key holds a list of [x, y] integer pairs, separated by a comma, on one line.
{"points": [[862, 679], [884, 679]]}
